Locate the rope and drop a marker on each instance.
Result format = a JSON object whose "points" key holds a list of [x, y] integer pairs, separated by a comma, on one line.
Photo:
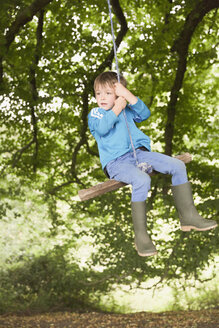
{"points": [[114, 42], [118, 77], [143, 166]]}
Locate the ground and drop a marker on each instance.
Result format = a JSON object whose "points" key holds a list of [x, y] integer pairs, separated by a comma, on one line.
{"points": [[179, 319]]}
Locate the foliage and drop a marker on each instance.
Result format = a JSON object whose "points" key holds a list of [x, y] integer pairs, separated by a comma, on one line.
{"points": [[203, 298], [44, 283], [50, 54]]}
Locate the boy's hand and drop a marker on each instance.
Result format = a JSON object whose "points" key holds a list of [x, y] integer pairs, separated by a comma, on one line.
{"points": [[122, 91], [119, 105]]}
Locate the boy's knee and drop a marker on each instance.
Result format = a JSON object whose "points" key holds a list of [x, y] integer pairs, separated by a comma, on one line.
{"points": [[140, 187], [143, 181], [179, 166]]}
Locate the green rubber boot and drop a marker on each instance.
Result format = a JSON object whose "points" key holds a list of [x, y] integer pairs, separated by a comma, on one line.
{"points": [[188, 215], [143, 243]]}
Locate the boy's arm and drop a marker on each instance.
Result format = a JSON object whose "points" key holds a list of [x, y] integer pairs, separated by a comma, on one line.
{"points": [[101, 122], [140, 110], [119, 105]]}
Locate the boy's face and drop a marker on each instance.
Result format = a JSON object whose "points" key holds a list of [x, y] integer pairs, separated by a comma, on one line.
{"points": [[105, 96]]}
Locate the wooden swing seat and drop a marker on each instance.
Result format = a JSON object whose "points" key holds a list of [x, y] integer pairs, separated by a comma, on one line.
{"points": [[111, 185]]}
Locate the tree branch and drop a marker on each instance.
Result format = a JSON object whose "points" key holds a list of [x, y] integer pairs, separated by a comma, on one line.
{"points": [[23, 17], [19, 153], [83, 138], [90, 151], [57, 188], [181, 46], [167, 16], [82, 141], [34, 140], [33, 85], [124, 28]]}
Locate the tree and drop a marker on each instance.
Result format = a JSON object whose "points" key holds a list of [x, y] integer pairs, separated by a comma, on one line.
{"points": [[50, 53]]}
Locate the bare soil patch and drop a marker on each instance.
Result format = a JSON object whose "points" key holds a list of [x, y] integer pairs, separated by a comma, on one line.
{"points": [[179, 319]]}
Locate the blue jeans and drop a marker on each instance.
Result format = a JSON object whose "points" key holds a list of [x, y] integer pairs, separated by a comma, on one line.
{"points": [[124, 168]]}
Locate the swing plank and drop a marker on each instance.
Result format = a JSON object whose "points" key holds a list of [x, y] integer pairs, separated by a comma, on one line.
{"points": [[100, 189], [111, 185]]}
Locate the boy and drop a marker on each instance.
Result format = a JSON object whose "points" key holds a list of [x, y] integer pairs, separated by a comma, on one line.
{"points": [[108, 126]]}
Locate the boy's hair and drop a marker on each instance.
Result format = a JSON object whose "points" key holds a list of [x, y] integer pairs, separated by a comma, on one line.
{"points": [[109, 78]]}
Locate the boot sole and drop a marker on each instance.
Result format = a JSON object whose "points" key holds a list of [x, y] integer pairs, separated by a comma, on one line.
{"points": [[145, 254], [189, 228]]}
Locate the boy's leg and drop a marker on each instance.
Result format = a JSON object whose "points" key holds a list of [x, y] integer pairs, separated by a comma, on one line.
{"points": [[143, 243], [124, 169], [189, 217], [181, 188], [165, 164]]}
